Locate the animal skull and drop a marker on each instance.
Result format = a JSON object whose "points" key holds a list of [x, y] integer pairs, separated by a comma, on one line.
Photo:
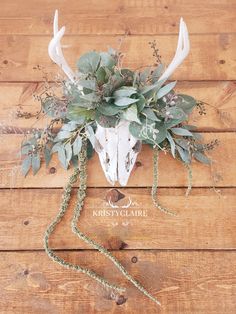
{"points": [[116, 147]]}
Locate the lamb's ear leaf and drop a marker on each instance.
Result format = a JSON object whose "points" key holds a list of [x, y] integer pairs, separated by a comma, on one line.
{"points": [[26, 164]]}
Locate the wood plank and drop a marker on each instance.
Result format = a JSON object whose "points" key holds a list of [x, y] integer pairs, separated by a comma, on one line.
{"points": [[212, 57], [222, 172], [185, 282], [118, 17], [205, 220], [221, 114]]}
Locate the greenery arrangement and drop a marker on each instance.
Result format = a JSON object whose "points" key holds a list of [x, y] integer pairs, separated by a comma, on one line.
{"points": [[105, 94]]}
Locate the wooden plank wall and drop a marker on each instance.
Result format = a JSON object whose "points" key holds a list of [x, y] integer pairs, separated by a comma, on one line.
{"points": [[187, 261]]}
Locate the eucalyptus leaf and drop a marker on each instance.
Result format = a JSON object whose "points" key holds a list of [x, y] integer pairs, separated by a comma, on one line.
{"points": [[62, 157], [149, 113], [47, 155], [124, 101], [106, 121], [89, 62], [26, 164], [78, 114], [181, 131], [68, 150], [77, 145], [172, 143], [165, 89], [108, 109], [107, 60], [184, 154], [35, 163], [186, 103], [157, 72], [202, 158], [125, 91], [89, 84], [131, 114], [90, 134]]}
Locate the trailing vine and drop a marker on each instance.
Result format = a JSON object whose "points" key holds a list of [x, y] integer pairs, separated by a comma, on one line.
{"points": [[81, 172]]}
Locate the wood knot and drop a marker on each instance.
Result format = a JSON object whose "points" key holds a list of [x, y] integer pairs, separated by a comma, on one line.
{"points": [[52, 170], [115, 243], [121, 300], [114, 195], [138, 164], [222, 61], [26, 222], [134, 259]]}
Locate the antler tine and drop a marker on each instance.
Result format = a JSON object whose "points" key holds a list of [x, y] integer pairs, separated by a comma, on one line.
{"points": [[181, 53], [55, 51]]}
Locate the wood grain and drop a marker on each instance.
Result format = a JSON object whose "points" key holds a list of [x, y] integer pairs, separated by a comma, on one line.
{"points": [[185, 282], [212, 56], [221, 97], [118, 17], [205, 220], [222, 172]]}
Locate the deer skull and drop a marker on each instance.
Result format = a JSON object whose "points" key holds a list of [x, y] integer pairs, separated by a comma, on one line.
{"points": [[116, 147]]}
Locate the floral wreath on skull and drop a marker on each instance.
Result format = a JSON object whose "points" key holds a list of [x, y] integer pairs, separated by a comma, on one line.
{"points": [[112, 110]]}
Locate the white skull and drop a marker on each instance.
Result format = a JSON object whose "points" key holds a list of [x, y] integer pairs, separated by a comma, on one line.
{"points": [[117, 150]]}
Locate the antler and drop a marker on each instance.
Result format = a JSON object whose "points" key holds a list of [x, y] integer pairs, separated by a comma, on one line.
{"points": [[181, 53], [55, 51]]}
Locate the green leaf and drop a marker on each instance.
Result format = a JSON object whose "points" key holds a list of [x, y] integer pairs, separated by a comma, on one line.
{"points": [[91, 97], [125, 91], [172, 143], [101, 75], [26, 164], [62, 135], [90, 135], [184, 154], [108, 109], [181, 131], [89, 62], [106, 121], [107, 60], [54, 107], [141, 102], [88, 84], [77, 145], [183, 143], [150, 131], [78, 114], [124, 101], [157, 73], [131, 114], [149, 113], [165, 89], [47, 156], [202, 158], [35, 163], [62, 157], [90, 150], [186, 103], [68, 150]]}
